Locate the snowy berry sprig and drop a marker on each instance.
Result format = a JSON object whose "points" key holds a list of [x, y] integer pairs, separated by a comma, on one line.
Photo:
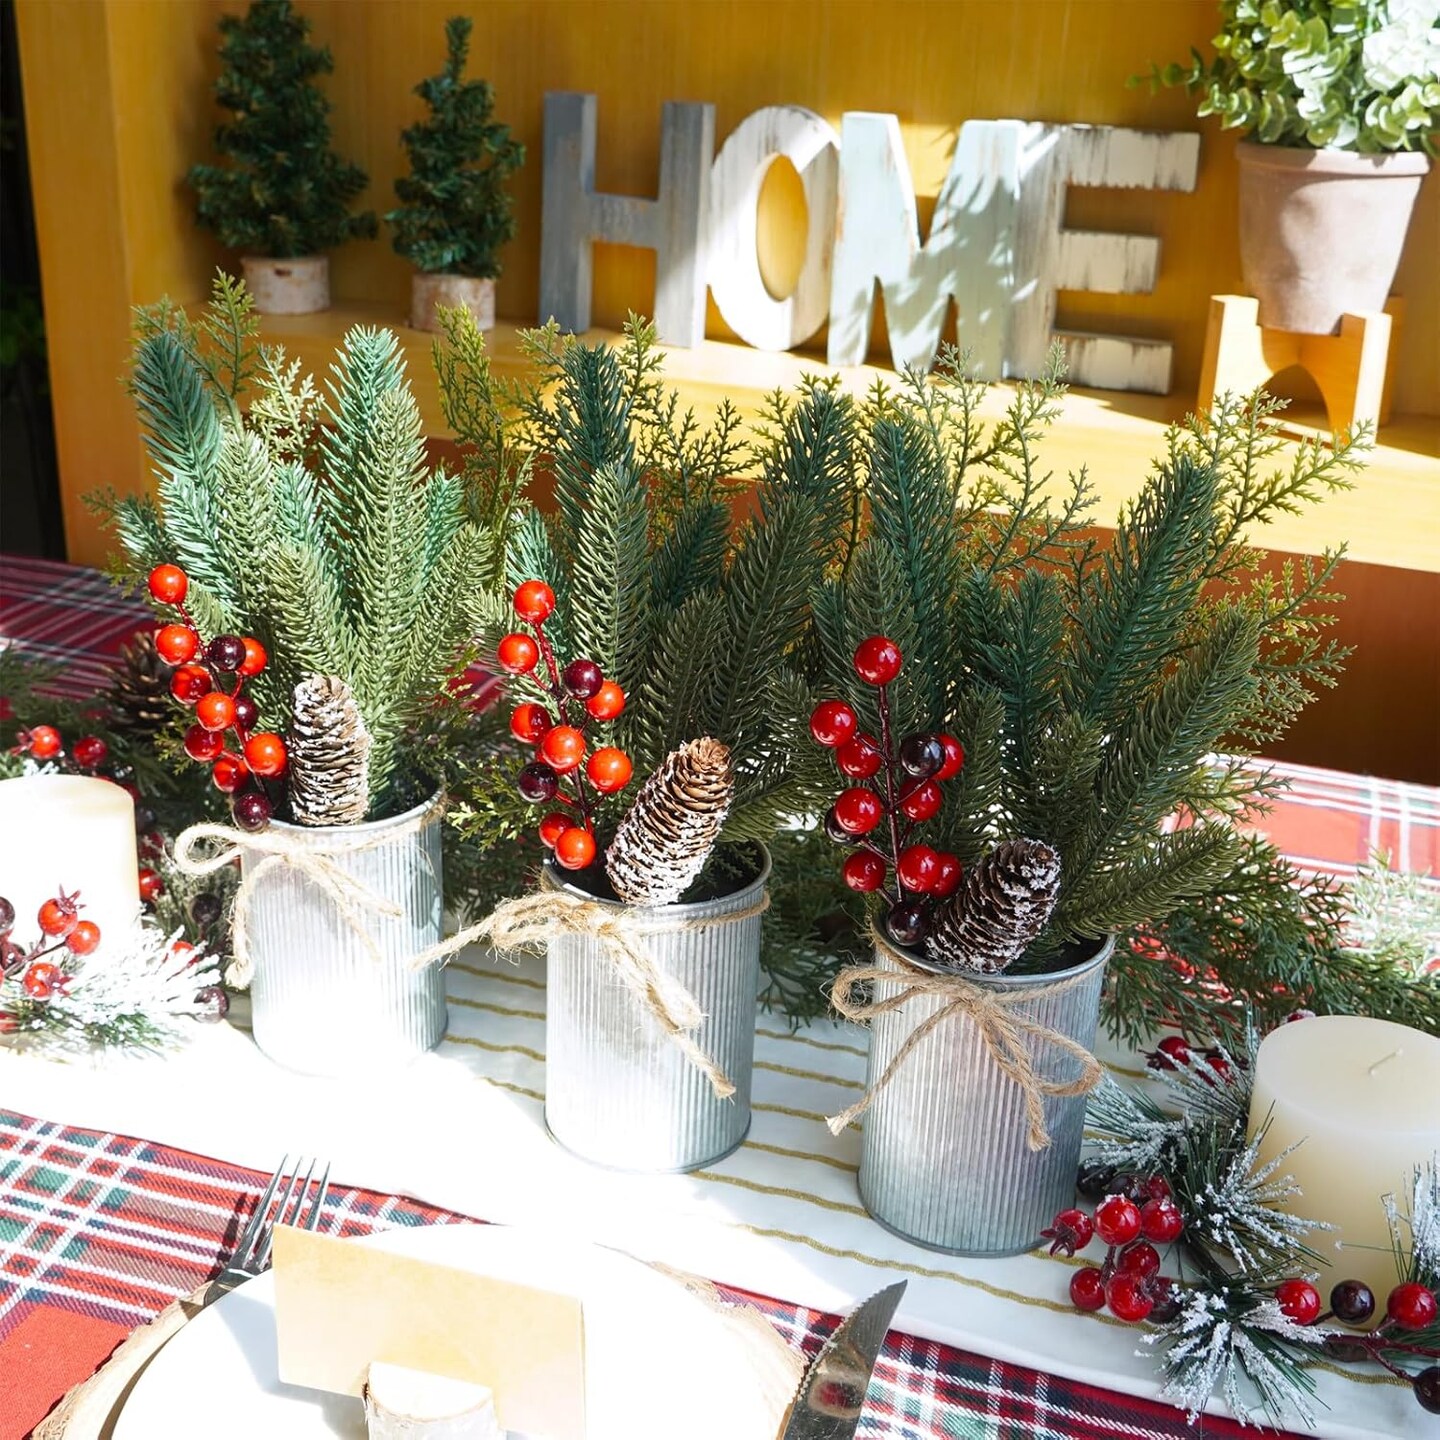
{"points": [[896, 789], [62, 933], [580, 695], [197, 682]]}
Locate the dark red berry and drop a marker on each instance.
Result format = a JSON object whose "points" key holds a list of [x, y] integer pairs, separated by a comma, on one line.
{"points": [[858, 811], [1411, 1306], [907, 923], [1166, 1295], [206, 909], [90, 752], [1069, 1231], [252, 810], [212, 1004], [226, 652], [1172, 1053], [864, 871], [1295, 1015], [537, 782], [1426, 1385], [1161, 1221], [832, 723], [247, 712], [877, 660], [1128, 1297], [203, 744], [1140, 1258], [921, 756], [859, 757], [7, 916], [1095, 1180], [1117, 1220], [1300, 1300], [1087, 1289], [229, 773], [836, 831], [1352, 1301], [583, 678]]}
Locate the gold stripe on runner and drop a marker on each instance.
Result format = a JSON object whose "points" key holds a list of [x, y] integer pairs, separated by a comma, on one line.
{"points": [[798, 1039], [789, 1110], [495, 1049], [818, 1075], [784, 1194], [505, 978], [496, 1008], [801, 1155]]}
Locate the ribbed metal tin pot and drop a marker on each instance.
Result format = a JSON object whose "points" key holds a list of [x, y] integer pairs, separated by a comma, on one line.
{"points": [[322, 1002], [944, 1160], [618, 1091]]}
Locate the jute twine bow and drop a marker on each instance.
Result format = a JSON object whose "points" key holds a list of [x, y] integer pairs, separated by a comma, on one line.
{"points": [[296, 850], [536, 919], [1011, 1038]]}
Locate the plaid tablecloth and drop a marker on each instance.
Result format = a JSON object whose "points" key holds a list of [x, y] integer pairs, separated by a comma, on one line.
{"points": [[99, 1231]]}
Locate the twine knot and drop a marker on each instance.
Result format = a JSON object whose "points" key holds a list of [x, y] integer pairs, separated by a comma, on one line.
{"points": [[295, 850], [1011, 1038]]}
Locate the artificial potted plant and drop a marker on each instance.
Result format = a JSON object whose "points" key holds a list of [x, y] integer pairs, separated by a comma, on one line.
{"points": [[1017, 710], [456, 211], [1340, 103], [652, 650], [315, 581], [283, 197]]}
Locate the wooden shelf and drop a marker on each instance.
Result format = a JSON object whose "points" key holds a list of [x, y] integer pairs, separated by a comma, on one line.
{"points": [[1391, 517]]}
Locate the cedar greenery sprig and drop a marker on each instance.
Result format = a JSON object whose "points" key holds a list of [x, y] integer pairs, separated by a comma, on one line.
{"points": [[313, 523], [456, 211], [283, 192]]}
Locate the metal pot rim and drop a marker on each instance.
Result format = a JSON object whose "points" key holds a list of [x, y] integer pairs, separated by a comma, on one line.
{"points": [[1004, 980], [715, 908], [366, 827]]}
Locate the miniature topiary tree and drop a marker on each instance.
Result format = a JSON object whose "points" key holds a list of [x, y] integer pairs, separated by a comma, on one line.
{"points": [[456, 212], [283, 193]]}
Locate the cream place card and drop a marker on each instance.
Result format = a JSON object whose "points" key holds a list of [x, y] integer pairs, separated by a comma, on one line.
{"points": [[340, 1306]]}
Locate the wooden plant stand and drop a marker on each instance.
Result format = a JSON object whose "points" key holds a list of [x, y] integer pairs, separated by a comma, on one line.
{"points": [[1351, 369]]}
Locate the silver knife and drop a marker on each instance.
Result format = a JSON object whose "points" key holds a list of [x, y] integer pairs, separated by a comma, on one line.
{"points": [[831, 1396]]}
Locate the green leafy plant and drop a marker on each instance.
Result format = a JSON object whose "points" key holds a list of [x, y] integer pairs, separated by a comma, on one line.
{"points": [[1333, 74], [456, 211], [283, 192], [702, 619], [309, 520]]}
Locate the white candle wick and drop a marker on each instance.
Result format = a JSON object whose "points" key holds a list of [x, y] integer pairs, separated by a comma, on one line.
{"points": [[1385, 1060]]}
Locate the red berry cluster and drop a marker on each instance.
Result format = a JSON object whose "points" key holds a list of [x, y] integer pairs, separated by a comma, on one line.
{"points": [[63, 932], [1174, 1052], [560, 739], [259, 755], [1128, 1281], [897, 789]]}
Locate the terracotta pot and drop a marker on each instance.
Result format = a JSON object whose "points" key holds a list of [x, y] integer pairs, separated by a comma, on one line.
{"points": [[1321, 231], [288, 287], [428, 291]]}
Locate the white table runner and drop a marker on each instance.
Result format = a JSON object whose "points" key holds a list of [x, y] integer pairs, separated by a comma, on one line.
{"points": [[463, 1129]]}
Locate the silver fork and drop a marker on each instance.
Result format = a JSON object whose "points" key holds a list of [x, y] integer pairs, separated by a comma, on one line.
{"points": [[252, 1249], [91, 1407]]}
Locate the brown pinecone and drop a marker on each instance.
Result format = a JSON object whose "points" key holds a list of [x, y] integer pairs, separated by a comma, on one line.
{"points": [[1000, 906], [667, 836], [329, 754], [139, 693]]}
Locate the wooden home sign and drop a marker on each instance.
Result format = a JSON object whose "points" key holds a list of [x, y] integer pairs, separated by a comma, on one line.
{"points": [[997, 245]]}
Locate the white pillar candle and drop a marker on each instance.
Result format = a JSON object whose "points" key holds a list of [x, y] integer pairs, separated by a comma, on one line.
{"points": [[70, 831], [1361, 1098]]}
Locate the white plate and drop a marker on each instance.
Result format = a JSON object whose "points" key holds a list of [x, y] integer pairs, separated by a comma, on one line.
{"points": [[660, 1363]]}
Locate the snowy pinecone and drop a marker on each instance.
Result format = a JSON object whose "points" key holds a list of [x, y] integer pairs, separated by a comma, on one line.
{"points": [[139, 693], [1000, 906], [329, 754], [667, 836]]}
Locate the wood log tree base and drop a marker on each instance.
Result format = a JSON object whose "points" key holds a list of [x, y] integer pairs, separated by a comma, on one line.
{"points": [[1352, 369], [406, 1404]]}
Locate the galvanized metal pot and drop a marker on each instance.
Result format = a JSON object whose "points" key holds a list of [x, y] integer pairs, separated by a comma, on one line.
{"points": [[944, 1159], [323, 1002], [618, 1091]]}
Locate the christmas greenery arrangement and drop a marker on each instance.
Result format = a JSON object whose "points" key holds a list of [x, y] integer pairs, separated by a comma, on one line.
{"points": [[652, 612], [1074, 693], [319, 580], [1178, 1185], [283, 192], [455, 212]]}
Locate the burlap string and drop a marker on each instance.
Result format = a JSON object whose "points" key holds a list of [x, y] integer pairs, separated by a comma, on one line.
{"points": [[539, 918], [1008, 1036], [295, 850], [528, 920]]}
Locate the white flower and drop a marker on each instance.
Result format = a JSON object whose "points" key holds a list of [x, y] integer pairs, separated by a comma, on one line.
{"points": [[1408, 48]]}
